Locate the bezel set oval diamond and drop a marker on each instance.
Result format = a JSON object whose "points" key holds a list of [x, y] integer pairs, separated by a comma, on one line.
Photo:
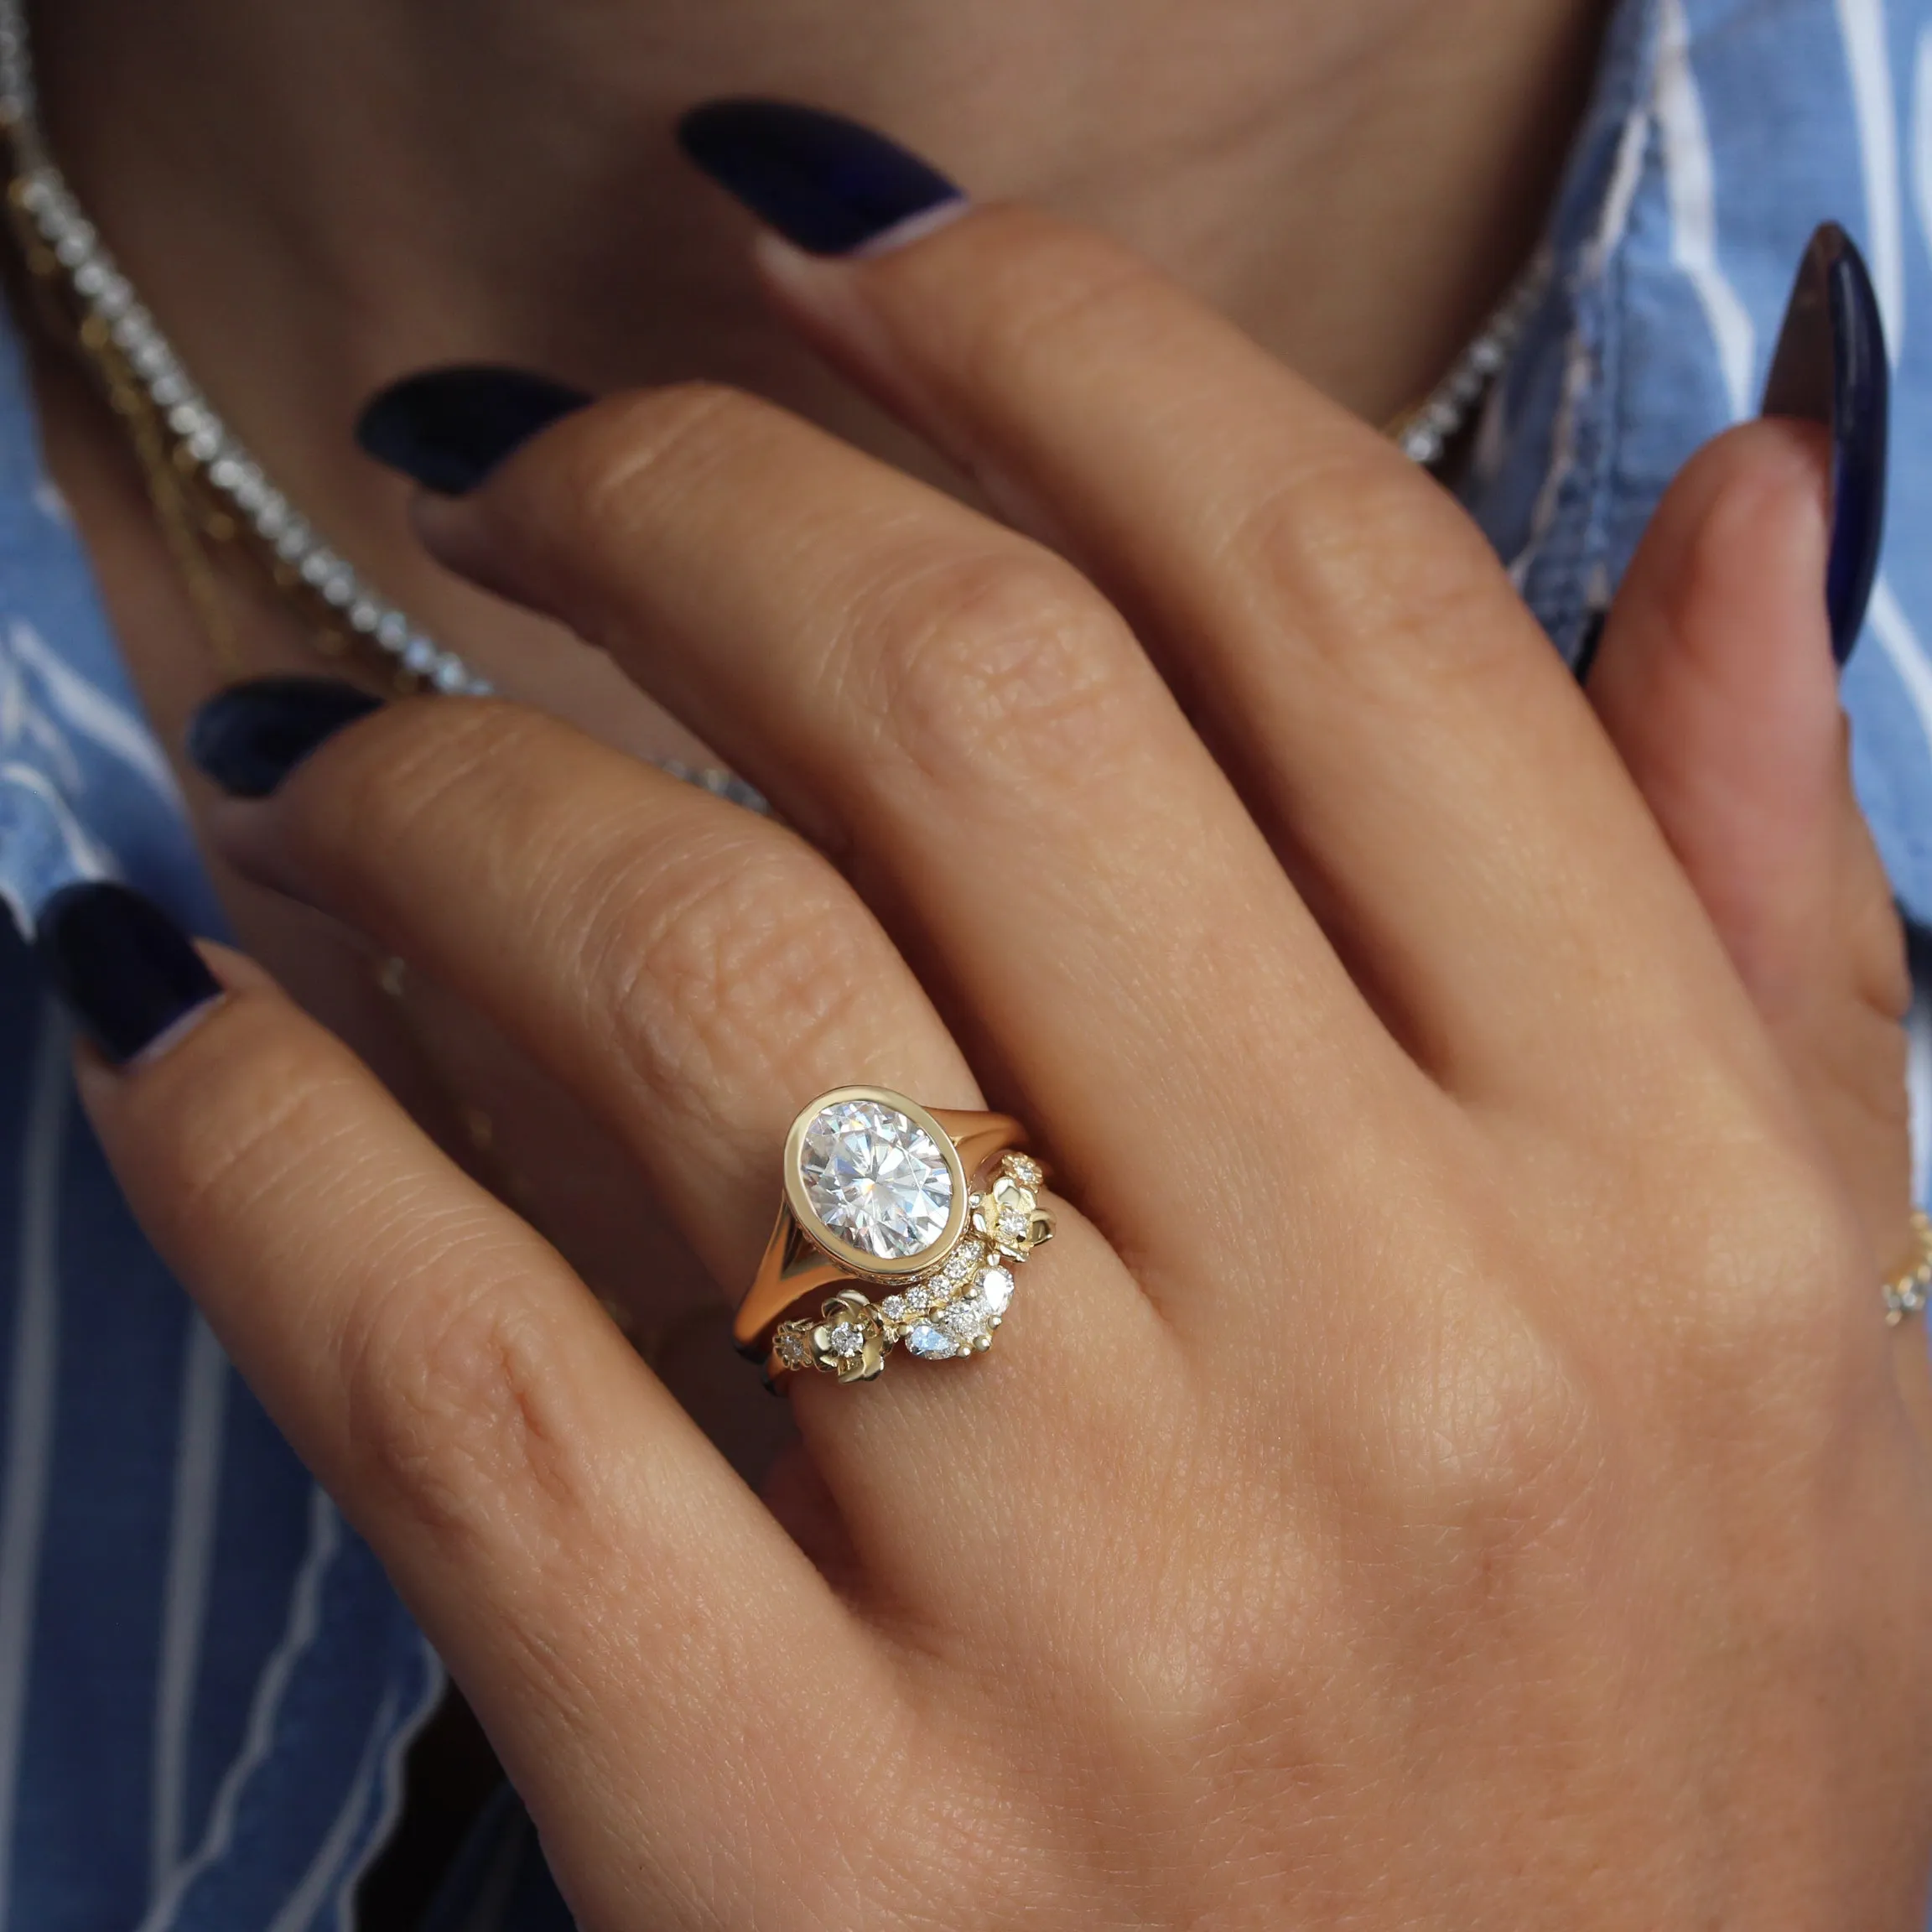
{"points": [[876, 1183]]}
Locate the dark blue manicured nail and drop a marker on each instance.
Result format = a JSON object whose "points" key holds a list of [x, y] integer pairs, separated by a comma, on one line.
{"points": [[1829, 367], [826, 184], [448, 429], [126, 970], [250, 737]]}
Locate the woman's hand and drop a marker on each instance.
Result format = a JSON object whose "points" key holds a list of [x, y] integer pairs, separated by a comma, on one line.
{"points": [[1448, 1471]]}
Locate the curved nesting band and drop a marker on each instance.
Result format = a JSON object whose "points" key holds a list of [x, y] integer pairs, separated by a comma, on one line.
{"points": [[922, 1214]]}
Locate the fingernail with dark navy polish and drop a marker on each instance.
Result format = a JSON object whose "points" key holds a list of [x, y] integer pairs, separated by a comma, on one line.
{"points": [[448, 429], [125, 969], [827, 185], [1830, 367], [250, 737]]}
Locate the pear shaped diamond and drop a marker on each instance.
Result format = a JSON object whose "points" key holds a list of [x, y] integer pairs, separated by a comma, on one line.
{"points": [[996, 1289], [875, 1178]]}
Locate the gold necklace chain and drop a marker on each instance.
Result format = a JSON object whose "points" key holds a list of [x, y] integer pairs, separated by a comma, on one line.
{"points": [[185, 525], [188, 524], [208, 492], [194, 523]]}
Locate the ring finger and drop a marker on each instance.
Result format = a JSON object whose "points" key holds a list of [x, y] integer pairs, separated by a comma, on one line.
{"points": [[611, 1596], [692, 972]]}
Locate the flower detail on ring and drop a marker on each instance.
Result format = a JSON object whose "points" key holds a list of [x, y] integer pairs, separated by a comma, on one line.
{"points": [[949, 1308], [849, 1341], [1008, 1215]]}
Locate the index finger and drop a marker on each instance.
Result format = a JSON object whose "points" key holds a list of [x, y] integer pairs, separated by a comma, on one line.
{"points": [[613, 1600]]}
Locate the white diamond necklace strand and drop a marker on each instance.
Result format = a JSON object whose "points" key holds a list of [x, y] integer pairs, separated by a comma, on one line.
{"points": [[1424, 433], [107, 302], [102, 294]]}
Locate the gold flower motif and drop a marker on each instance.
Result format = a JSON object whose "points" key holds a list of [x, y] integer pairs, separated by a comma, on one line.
{"points": [[848, 1342], [1010, 1218]]}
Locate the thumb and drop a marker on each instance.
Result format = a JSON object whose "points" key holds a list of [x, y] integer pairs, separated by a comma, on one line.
{"points": [[1716, 681]]}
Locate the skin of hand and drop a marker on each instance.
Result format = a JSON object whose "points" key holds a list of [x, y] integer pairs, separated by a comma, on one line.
{"points": [[317, 198], [1448, 1472], [324, 197]]}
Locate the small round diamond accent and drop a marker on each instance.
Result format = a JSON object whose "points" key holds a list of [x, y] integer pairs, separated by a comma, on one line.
{"points": [[895, 1308], [793, 1351], [918, 1299], [961, 1262], [847, 1339]]}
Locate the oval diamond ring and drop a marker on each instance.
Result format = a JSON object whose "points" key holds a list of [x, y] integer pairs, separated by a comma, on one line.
{"points": [[918, 1216]]}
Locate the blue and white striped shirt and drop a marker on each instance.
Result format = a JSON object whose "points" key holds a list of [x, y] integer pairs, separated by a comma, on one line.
{"points": [[205, 1682]]}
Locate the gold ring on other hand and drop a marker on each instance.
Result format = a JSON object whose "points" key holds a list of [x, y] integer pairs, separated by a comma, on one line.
{"points": [[1906, 1294]]}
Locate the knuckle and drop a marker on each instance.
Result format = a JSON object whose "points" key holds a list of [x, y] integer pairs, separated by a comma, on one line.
{"points": [[1389, 590], [1001, 302], [999, 668], [1492, 1442], [1779, 1310], [456, 1402], [428, 765], [743, 954], [265, 1115], [442, 1384], [611, 466], [1043, 292]]}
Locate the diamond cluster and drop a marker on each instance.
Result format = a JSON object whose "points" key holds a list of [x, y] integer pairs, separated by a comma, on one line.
{"points": [[952, 1310]]}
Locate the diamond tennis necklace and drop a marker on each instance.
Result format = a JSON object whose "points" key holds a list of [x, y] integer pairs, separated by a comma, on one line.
{"points": [[1425, 434], [114, 317], [122, 337]]}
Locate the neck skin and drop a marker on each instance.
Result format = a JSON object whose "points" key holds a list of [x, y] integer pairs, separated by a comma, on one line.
{"points": [[314, 200]]}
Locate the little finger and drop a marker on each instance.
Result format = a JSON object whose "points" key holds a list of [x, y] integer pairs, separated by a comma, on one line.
{"points": [[603, 1587]]}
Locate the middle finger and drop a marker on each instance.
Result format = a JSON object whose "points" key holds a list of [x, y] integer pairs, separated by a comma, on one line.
{"points": [[693, 974], [965, 724]]}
